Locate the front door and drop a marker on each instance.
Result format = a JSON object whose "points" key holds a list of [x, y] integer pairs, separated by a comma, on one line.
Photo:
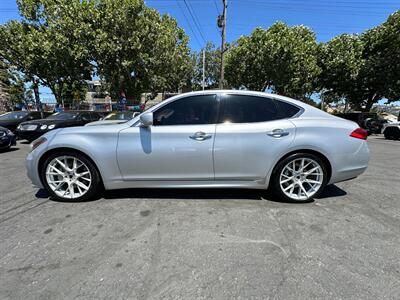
{"points": [[252, 134], [179, 145]]}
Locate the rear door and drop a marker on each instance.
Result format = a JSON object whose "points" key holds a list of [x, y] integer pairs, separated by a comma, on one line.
{"points": [[253, 131]]}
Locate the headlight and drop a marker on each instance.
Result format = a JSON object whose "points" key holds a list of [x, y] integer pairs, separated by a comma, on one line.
{"points": [[2, 133], [36, 143], [19, 126], [43, 127], [9, 132], [51, 126]]}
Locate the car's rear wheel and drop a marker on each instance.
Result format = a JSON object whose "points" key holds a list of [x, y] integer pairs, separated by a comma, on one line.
{"points": [[299, 177], [70, 176]]}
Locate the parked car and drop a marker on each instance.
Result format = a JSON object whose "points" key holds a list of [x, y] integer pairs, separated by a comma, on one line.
{"points": [[33, 129], [209, 139], [7, 138], [391, 131], [115, 118], [368, 121], [12, 119]]}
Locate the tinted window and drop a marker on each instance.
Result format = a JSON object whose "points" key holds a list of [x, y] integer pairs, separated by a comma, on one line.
{"points": [[14, 115], [95, 116], [249, 109], [287, 109], [63, 116], [188, 111], [85, 117]]}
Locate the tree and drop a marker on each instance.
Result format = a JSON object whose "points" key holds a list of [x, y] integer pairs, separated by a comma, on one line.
{"points": [[13, 84], [341, 62], [381, 72], [212, 67], [48, 44], [280, 58], [62, 43], [137, 50], [361, 70]]}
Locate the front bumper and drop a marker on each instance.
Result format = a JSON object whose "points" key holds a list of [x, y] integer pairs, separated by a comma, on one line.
{"points": [[32, 169], [29, 135]]}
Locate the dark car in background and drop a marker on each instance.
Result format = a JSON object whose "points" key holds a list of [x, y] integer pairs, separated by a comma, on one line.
{"points": [[368, 121], [33, 129], [12, 119], [7, 138]]}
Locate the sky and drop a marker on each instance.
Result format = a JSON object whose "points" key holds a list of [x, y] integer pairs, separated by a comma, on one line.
{"points": [[328, 18]]}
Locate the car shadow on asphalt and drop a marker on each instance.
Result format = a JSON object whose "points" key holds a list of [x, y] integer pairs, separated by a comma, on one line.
{"points": [[12, 149], [330, 191]]}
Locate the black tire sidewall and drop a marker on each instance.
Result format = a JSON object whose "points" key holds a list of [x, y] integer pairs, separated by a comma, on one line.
{"points": [[275, 184], [95, 184]]}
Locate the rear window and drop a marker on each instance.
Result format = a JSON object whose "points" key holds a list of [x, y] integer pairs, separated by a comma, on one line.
{"points": [[288, 109]]}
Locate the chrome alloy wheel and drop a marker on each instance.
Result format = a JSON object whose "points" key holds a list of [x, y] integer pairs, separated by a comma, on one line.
{"points": [[68, 177], [301, 178]]}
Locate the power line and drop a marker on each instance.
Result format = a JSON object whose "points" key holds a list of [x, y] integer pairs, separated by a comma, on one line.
{"points": [[195, 20], [190, 26]]}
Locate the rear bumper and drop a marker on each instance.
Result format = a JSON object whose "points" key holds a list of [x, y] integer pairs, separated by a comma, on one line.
{"points": [[7, 141], [348, 166]]}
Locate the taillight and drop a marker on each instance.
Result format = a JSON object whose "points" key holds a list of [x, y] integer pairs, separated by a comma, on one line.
{"points": [[359, 133]]}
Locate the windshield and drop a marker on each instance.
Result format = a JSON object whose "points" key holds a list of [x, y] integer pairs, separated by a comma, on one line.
{"points": [[63, 116], [119, 116], [14, 115]]}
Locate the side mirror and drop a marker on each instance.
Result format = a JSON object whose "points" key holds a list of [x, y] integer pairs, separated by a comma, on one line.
{"points": [[146, 119]]}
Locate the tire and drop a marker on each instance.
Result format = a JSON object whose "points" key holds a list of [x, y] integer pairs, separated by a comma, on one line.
{"points": [[312, 183], [59, 185], [391, 133]]}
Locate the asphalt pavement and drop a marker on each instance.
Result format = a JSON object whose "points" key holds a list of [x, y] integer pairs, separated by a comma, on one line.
{"points": [[203, 244]]}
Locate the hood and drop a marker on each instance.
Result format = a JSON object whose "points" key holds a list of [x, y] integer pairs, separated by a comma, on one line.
{"points": [[13, 122], [107, 122], [48, 122]]}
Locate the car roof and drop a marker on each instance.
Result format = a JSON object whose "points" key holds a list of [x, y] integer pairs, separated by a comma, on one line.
{"points": [[308, 110]]}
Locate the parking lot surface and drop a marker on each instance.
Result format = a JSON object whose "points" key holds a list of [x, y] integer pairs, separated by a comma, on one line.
{"points": [[203, 244]]}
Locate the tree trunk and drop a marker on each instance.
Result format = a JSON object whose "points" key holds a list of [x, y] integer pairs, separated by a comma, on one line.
{"points": [[370, 102]]}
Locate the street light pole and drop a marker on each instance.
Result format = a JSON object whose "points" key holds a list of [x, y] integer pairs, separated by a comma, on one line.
{"points": [[204, 69], [222, 23]]}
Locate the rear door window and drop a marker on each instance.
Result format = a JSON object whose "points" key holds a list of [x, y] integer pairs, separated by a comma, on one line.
{"points": [[288, 110], [249, 109]]}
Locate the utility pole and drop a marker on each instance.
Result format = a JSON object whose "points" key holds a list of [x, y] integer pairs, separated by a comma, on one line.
{"points": [[204, 69], [222, 24]]}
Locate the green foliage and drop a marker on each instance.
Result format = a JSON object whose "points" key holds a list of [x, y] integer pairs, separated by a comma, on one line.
{"points": [[280, 58], [341, 61], [64, 42], [48, 43], [136, 49], [361, 70], [13, 83]]}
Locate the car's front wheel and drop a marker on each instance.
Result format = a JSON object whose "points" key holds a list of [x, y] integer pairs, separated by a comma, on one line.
{"points": [[70, 176], [299, 177]]}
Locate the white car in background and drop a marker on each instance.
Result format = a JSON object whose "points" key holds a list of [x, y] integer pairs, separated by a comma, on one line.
{"points": [[391, 131], [115, 118]]}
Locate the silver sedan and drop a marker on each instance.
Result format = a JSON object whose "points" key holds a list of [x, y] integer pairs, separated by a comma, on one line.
{"points": [[212, 139]]}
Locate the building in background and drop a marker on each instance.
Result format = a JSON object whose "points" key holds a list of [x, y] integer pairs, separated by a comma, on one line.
{"points": [[96, 98]]}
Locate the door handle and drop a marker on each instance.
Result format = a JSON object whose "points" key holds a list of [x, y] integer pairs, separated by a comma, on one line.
{"points": [[277, 133], [200, 136]]}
